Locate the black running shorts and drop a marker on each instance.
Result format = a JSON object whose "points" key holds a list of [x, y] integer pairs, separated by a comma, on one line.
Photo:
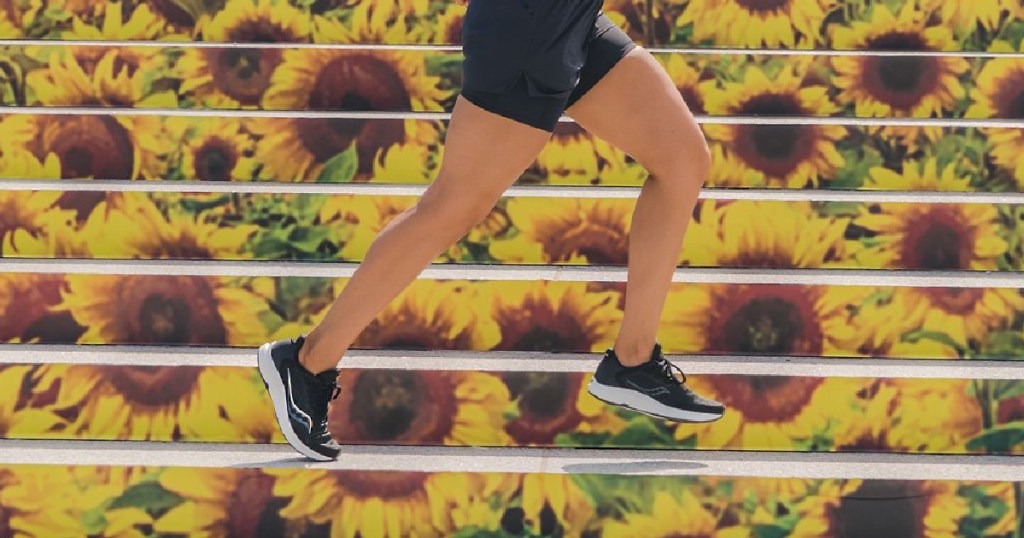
{"points": [[529, 60]]}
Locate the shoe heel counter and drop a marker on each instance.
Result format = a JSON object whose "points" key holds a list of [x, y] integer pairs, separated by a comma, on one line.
{"points": [[606, 370]]}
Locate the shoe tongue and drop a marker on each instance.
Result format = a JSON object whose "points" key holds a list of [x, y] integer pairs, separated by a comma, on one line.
{"points": [[656, 352]]}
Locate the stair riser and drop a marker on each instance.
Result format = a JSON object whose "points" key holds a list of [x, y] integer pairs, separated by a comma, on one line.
{"points": [[510, 315], [314, 227], [549, 409], [253, 502], [289, 149]]}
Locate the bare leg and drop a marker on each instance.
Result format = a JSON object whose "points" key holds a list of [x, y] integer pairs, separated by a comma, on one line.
{"points": [[484, 154], [637, 108]]}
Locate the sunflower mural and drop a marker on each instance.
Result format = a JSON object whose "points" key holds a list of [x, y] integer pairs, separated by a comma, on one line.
{"points": [[1000, 94], [673, 515], [238, 77], [899, 86], [790, 156], [112, 23], [348, 80], [755, 23], [217, 150], [565, 230], [872, 508]]}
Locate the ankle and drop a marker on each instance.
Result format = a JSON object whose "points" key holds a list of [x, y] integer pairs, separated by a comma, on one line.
{"points": [[308, 359], [634, 355]]}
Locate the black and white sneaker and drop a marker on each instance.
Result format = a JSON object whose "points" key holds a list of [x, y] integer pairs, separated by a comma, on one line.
{"points": [[300, 398], [653, 389]]}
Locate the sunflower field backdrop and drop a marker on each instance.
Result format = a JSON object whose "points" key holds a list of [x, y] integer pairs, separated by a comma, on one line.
{"points": [[183, 180]]}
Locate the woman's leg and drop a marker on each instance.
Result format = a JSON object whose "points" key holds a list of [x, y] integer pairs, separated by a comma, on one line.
{"points": [[637, 108], [484, 154]]}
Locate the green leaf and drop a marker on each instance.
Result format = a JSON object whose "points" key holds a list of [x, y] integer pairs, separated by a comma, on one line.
{"points": [[1000, 439], [942, 338], [1005, 389], [94, 521], [148, 496], [643, 432], [770, 531], [341, 168], [840, 209], [193, 205]]}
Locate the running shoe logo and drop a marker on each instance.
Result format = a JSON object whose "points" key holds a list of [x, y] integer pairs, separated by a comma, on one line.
{"points": [[294, 412], [653, 391]]}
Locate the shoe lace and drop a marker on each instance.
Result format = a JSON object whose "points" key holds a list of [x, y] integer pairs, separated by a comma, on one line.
{"points": [[327, 393], [669, 370]]}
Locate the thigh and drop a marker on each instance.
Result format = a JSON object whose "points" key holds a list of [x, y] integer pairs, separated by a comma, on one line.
{"points": [[636, 107], [484, 153]]}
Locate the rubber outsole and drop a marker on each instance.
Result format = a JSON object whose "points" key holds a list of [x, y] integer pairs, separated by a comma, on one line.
{"points": [[646, 405], [272, 380]]}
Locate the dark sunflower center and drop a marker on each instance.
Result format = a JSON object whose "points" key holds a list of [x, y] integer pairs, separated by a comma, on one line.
{"points": [[1011, 409], [567, 131], [692, 99], [166, 310], [355, 82], [252, 509], [88, 147], [957, 301], [5, 522], [152, 385], [386, 485], [768, 325], [173, 12], [546, 403], [215, 160], [165, 319], [29, 314], [763, 7], [81, 202], [260, 31], [540, 339], [937, 240], [900, 81], [243, 74], [766, 398], [385, 403], [880, 509], [1009, 98], [776, 150]]}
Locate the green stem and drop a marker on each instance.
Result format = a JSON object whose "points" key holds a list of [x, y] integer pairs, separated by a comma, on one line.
{"points": [[1018, 497]]}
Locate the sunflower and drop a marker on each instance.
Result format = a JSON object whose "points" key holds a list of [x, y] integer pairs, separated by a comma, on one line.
{"points": [[1000, 94], [631, 17], [360, 219], [687, 73], [447, 29], [794, 156], [18, 420], [381, 504], [112, 80], [52, 500], [763, 319], [409, 407], [867, 509], [681, 515], [732, 234], [136, 228], [968, 16], [32, 211], [224, 502], [338, 79], [380, 22], [910, 415], [756, 23], [899, 86], [27, 304], [215, 150], [238, 77], [411, 163], [566, 230], [429, 314], [90, 146], [573, 156], [548, 316], [160, 403], [771, 412], [929, 236], [142, 25]]}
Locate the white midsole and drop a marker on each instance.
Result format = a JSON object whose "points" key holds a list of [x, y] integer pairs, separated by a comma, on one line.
{"points": [[645, 404], [280, 400]]}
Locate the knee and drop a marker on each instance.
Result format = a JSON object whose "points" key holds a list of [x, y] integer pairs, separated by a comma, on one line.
{"points": [[685, 165]]}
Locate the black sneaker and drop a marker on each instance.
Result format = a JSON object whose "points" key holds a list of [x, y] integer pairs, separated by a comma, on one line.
{"points": [[653, 389], [300, 398]]}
